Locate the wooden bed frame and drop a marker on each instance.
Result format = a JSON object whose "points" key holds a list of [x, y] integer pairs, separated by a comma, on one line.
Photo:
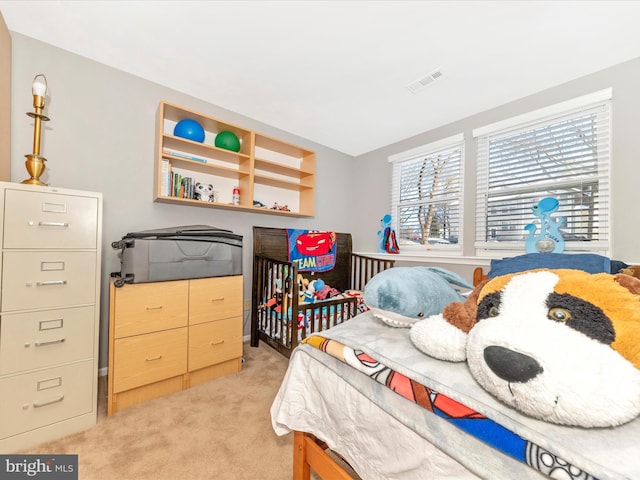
{"points": [[271, 263], [311, 453]]}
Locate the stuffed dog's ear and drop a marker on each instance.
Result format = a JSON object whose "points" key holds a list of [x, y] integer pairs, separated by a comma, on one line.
{"points": [[444, 335], [630, 283], [463, 314]]}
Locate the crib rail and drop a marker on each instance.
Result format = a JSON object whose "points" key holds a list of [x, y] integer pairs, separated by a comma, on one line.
{"points": [[363, 268], [277, 316]]}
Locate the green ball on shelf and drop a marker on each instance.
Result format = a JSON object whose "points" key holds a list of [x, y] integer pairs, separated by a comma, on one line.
{"points": [[227, 140]]}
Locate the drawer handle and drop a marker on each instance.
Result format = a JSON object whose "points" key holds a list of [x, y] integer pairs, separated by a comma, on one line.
{"points": [[219, 299], [53, 224], [151, 359], [44, 404], [154, 308], [51, 282], [51, 342], [219, 342]]}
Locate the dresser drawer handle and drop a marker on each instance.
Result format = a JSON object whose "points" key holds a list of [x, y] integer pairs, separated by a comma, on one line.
{"points": [[154, 308], [51, 282], [218, 342], [44, 404], [219, 299], [151, 359], [53, 224], [51, 342]]}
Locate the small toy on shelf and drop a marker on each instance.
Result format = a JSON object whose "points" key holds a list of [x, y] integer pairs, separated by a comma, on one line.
{"points": [[282, 208], [204, 192]]}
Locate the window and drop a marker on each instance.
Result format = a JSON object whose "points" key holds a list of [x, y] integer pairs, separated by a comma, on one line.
{"points": [[427, 195], [561, 152]]}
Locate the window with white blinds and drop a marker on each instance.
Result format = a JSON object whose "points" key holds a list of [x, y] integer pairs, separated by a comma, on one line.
{"points": [[561, 152], [427, 195]]}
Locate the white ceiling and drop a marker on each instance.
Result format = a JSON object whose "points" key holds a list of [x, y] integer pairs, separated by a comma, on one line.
{"points": [[336, 72]]}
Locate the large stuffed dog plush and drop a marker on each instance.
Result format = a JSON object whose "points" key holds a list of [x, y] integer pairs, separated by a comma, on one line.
{"points": [[559, 345]]}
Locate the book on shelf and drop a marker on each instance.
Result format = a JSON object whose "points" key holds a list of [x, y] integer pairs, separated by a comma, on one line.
{"points": [[165, 177], [182, 187], [186, 156]]}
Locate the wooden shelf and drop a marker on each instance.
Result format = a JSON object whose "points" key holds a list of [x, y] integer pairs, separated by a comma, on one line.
{"points": [[266, 170]]}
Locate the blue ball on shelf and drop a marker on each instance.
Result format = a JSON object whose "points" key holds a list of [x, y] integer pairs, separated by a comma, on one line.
{"points": [[189, 129]]}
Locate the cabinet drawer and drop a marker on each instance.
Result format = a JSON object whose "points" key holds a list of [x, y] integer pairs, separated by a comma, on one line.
{"points": [[214, 342], [43, 279], [215, 298], [49, 220], [150, 307], [145, 359], [39, 339], [45, 397]]}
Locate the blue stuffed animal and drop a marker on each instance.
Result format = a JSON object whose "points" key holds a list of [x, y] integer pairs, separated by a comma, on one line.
{"points": [[402, 296]]}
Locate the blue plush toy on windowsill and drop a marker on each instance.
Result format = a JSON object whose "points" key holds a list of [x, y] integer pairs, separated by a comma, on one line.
{"points": [[550, 238]]}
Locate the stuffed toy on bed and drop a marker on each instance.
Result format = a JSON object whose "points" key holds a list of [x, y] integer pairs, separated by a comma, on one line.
{"points": [[401, 296], [559, 345]]}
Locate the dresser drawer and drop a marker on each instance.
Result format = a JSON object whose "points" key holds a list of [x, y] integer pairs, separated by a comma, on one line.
{"points": [[214, 342], [215, 298], [49, 220], [45, 397], [150, 307], [39, 339], [145, 359], [40, 279]]}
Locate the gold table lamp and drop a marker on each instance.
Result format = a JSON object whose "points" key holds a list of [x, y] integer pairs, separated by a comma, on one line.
{"points": [[35, 162]]}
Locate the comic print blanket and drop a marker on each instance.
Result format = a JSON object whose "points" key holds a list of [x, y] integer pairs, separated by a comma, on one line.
{"points": [[447, 390], [312, 251]]}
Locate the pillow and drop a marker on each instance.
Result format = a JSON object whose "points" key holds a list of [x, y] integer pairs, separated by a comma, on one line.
{"points": [[588, 262]]}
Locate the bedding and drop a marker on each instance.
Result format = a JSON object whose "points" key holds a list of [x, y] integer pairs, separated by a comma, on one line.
{"points": [[512, 446], [588, 262]]}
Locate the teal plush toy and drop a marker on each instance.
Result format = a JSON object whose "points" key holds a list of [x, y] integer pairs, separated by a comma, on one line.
{"points": [[402, 296]]}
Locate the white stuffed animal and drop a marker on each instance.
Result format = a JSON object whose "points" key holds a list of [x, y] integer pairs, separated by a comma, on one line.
{"points": [[204, 192]]}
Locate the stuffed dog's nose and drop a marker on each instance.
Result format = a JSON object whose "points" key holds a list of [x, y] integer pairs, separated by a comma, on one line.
{"points": [[511, 366]]}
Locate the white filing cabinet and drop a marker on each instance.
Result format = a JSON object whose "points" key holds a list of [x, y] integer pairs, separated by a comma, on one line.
{"points": [[49, 312]]}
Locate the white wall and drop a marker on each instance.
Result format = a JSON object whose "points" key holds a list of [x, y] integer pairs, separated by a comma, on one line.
{"points": [[101, 138], [373, 188], [102, 132]]}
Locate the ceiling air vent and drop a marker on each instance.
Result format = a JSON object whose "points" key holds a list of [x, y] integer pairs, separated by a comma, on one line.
{"points": [[419, 84]]}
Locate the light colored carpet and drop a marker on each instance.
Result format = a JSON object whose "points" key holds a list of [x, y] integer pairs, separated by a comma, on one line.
{"points": [[217, 430]]}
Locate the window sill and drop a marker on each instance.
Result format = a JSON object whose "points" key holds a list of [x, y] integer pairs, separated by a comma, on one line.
{"points": [[432, 257]]}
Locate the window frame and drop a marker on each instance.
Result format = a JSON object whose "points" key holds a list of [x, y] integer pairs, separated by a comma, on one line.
{"points": [[531, 120], [452, 142]]}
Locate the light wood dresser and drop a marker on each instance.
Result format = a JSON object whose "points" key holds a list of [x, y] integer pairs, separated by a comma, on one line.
{"points": [[168, 336], [49, 316]]}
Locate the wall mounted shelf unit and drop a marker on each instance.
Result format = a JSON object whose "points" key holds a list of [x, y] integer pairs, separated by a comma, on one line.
{"points": [[266, 170]]}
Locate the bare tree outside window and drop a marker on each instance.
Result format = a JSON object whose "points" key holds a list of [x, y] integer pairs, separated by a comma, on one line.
{"points": [[428, 208]]}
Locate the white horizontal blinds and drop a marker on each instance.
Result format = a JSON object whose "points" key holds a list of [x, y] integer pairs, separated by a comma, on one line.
{"points": [[566, 157], [426, 195]]}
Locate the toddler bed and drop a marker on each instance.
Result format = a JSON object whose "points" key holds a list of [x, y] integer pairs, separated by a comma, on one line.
{"points": [[347, 385], [295, 295]]}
